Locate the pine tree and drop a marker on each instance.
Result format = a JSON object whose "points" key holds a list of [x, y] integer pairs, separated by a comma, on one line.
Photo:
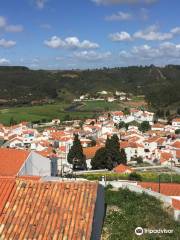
{"points": [[144, 126], [76, 156], [123, 158], [115, 142], [100, 159], [12, 121]]}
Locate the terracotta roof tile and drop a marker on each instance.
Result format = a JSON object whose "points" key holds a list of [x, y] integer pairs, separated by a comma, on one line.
{"points": [[176, 204], [11, 161], [6, 186], [176, 120], [178, 153], [91, 151], [176, 144], [122, 169], [165, 156], [169, 189], [48, 210], [158, 125]]}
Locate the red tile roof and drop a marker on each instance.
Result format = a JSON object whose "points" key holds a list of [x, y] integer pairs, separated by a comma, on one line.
{"points": [[176, 204], [6, 186], [169, 189], [11, 161], [165, 156], [176, 120], [122, 169], [124, 144], [176, 144], [90, 152], [158, 125], [118, 113], [178, 154], [47, 210]]}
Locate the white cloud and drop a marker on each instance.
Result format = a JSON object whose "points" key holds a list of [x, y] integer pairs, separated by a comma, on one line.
{"points": [[92, 55], [162, 54], [59, 58], [144, 14], [9, 28], [7, 43], [40, 3], [109, 2], [120, 16], [35, 60], [175, 30], [120, 36], [54, 42], [14, 28], [4, 61], [46, 26], [2, 21], [70, 42], [151, 34]]}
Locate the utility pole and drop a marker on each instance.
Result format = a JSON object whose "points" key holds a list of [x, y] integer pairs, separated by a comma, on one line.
{"points": [[61, 168], [171, 169]]}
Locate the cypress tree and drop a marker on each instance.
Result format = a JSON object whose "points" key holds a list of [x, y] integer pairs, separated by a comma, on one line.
{"points": [[123, 157], [76, 156]]}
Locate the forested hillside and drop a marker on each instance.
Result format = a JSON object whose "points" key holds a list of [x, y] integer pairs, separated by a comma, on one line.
{"points": [[161, 86]]}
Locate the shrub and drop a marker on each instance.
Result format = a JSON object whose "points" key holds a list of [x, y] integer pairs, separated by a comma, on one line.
{"points": [[134, 177]]}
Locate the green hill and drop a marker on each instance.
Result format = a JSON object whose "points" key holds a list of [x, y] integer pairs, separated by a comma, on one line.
{"points": [[20, 85]]}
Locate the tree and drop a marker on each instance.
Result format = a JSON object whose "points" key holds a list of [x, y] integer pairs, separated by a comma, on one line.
{"points": [[123, 157], [134, 177], [121, 125], [109, 156], [144, 126], [126, 111], [115, 142], [177, 131], [139, 160], [67, 117], [126, 126], [159, 113], [178, 111], [100, 160], [76, 156], [167, 113], [109, 116], [12, 121]]}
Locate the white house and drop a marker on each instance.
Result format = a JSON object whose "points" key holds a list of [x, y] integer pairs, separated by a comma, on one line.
{"points": [[176, 123], [15, 162]]}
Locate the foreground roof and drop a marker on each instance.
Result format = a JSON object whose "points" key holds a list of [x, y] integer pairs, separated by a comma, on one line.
{"points": [[11, 161], [46, 210]]}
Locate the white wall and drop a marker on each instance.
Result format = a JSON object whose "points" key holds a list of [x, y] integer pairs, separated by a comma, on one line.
{"points": [[36, 165]]}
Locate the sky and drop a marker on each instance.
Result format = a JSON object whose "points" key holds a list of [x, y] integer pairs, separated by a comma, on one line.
{"points": [[80, 34]]}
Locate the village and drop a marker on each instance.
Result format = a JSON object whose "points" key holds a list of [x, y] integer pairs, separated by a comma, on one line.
{"points": [[48, 164], [155, 144]]}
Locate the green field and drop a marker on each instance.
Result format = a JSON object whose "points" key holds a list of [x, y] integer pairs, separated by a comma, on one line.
{"points": [[57, 110], [101, 106], [38, 113]]}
